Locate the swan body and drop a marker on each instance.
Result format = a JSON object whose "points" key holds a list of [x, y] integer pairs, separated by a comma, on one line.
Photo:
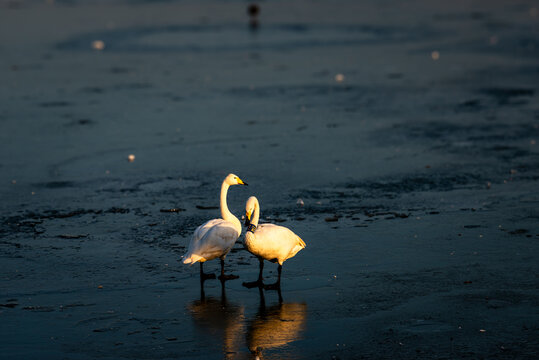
{"points": [[268, 241], [273, 243], [211, 240], [216, 237]]}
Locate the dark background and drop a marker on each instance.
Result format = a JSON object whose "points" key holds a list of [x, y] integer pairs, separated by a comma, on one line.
{"points": [[408, 129]]}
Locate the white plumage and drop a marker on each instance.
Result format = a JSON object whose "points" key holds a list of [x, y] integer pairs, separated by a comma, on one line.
{"points": [[273, 243], [211, 240], [216, 237], [268, 241]]}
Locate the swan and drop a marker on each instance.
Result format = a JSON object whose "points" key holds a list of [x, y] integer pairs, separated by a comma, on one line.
{"points": [[268, 242], [216, 237]]}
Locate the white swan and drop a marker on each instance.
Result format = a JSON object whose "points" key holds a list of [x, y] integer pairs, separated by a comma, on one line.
{"points": [[268, 242], [216, 237]]}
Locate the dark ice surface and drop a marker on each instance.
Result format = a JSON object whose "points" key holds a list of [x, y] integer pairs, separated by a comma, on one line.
{"points": [[408, 129]]}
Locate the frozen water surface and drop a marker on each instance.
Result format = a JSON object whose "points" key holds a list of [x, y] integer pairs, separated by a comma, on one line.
{"points": [[408, 130]]}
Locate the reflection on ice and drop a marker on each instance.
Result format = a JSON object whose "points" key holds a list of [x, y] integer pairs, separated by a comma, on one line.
{"points": [[270, 329], [219, 319], [275, 326]]}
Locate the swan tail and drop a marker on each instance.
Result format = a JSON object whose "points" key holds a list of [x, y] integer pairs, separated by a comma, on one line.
{"points": [[193, 258], [301, 243]]}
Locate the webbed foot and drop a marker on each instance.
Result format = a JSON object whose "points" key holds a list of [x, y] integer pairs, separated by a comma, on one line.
{"points": [[274, 286], [204, 276], [252, 284], [228, 277]]}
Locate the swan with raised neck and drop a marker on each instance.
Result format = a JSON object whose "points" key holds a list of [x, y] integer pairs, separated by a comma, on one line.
{"points": [[215, 238], [231, 179]]}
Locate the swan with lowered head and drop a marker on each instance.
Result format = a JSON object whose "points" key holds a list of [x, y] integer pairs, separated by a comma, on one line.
{"points": [[268, 242], [216, 237]]}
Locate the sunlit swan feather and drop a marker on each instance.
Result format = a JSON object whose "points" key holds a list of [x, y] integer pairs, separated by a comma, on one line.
{"points": [[268, 242], [216, 237]]}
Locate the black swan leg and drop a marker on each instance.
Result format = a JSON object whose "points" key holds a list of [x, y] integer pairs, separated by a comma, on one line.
{"points": [[276, 285], [203, 275], [224, 277], [257, 283]]}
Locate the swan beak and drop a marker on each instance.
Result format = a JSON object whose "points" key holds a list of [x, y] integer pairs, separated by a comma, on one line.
{"points": [[241, 182], [247, 219]]}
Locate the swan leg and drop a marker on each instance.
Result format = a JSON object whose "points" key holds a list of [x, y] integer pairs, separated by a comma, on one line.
{"points": [[224, 277], [223, 294], [202, 292], [276, 285], [262, 309], [258, 282], [203, 275]]}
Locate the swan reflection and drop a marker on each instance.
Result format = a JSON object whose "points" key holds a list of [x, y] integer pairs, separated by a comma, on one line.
{"points": [[276, 326], [271, 328], [221, 320]]}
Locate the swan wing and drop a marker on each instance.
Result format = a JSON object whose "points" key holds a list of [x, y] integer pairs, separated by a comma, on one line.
{"points": [[203, 229], [284, 233], [272, 241], [217, 239]]}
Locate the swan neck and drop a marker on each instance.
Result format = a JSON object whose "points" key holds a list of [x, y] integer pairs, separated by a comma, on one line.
{"points": [[225, 213], [256, 214]]}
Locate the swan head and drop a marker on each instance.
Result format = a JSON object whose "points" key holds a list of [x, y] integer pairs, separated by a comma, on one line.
{"points": [[232, 179], [250, 209]]}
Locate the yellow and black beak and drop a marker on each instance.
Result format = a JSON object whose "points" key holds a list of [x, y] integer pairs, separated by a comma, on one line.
{"points": [[241, 182], [247, 219]]}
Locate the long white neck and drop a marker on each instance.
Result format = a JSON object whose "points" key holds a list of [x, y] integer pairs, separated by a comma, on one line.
{"points": [[256, 214], [225, 213]]}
